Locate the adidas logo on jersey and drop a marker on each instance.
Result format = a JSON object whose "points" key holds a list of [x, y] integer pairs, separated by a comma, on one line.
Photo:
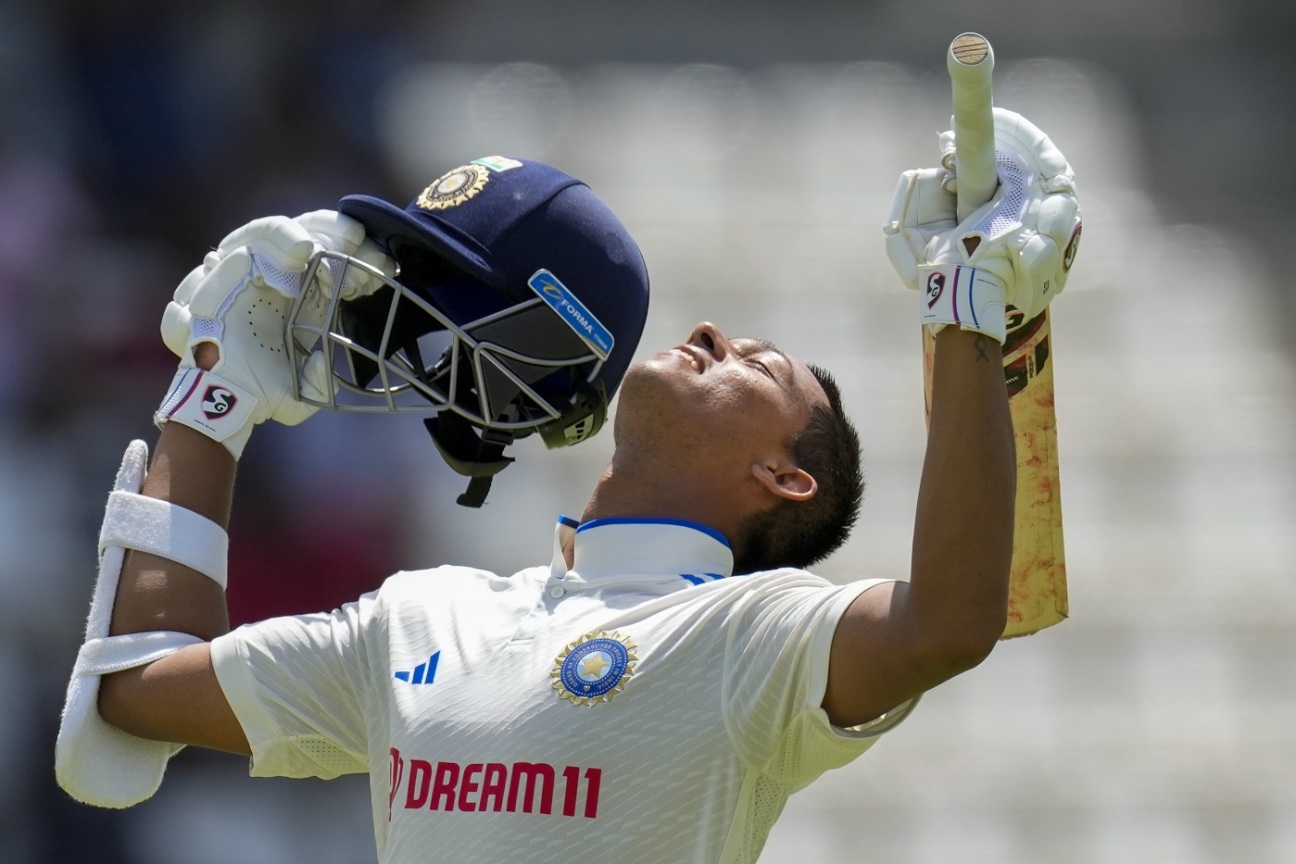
{"points": [[422, 673], [701, 578]]}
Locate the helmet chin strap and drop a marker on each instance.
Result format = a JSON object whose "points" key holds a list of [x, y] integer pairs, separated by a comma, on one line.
{"points": [[585, 417], [479, 457], [478, 453]]}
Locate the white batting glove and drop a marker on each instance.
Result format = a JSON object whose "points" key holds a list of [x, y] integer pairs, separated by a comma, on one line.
{"points": [[338, 233], [239, 300], [1025, 237]]}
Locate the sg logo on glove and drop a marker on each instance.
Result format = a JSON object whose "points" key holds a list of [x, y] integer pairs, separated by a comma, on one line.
{"points": [[935, 286], [217, 402], [1073, 246]]}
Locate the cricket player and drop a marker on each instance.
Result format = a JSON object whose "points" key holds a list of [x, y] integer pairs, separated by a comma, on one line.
{"points": [[661, 680]]}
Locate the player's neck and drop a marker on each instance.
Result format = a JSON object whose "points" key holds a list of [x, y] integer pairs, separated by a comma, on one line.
{"points": [[641, 491]]}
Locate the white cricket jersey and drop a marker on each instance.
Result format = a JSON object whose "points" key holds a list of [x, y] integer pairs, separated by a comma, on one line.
{"points": [[643, 707]]}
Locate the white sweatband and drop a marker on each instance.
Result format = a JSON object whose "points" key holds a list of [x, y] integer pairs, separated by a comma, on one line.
{"points": [[217, 408], [971, 297], [94, 762], [169, 531]]}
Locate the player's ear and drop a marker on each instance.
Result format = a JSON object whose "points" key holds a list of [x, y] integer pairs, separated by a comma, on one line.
{"points": [[785, 480]]}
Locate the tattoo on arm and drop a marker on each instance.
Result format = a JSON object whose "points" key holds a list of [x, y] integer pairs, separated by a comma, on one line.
{"points": [[980, 345]]}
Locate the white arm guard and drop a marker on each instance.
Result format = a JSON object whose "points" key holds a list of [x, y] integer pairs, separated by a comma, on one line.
{"points": [[94, 762]]}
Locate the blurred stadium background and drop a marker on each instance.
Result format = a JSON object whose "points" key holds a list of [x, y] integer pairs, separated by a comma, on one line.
{"points": [[752, 148]]}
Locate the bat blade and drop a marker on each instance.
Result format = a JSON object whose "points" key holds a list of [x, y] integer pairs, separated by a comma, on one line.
{"points": [[1037, 591], [1037, 595]]}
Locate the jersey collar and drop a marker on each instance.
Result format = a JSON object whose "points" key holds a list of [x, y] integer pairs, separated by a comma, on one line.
{"points": [[615, 547]]}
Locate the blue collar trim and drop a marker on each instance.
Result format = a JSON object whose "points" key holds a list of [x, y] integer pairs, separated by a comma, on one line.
{"points": [[635, 520]]}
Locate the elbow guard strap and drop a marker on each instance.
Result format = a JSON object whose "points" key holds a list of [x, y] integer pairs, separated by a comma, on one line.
{"points": [[134, 521], [110, 654]]}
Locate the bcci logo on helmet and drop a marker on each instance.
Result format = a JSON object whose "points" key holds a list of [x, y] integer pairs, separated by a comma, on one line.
{"points": [[217, 402], [454, 188]]}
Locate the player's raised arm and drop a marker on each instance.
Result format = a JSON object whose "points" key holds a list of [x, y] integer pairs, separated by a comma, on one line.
{"points": [[144, 681], [900, 639]]}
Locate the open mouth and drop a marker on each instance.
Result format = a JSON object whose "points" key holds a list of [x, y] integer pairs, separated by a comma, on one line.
{"points": [[691, 355]]}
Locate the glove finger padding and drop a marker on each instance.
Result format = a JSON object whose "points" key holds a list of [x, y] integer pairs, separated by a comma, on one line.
{"points": [[1033, 220], [1045, 255], [248, 327], [921, 210], [1014, 132], [316, 384], [333, 230], [281, 243], [274, 251], [336, 233], [175, 320], [340, 233]]}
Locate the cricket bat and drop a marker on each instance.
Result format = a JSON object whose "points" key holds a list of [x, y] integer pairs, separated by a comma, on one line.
{"points": [[1037, 596]]}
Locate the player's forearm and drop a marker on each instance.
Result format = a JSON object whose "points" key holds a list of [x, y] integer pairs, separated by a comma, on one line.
{"points": [[154, 593], [963, 534], [194, 472], [191, 471]]}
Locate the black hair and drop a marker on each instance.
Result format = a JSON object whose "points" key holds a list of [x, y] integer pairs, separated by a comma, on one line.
{"points": [[801, 533]]}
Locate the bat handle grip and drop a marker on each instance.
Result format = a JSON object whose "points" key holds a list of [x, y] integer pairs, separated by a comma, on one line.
{"points": [[970, 61]]}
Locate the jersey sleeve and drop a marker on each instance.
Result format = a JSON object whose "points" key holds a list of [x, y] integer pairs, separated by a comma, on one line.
{"points": [[778, 647], [297, 686]]}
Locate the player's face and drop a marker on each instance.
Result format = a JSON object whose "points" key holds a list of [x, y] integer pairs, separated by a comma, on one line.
{"points": [[743, 396]]}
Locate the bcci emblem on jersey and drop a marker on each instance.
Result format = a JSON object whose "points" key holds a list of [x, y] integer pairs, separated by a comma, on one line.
{"points": [[594, 668]]}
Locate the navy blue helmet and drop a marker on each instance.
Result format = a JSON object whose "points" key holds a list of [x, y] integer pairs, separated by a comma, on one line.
{"points": [[518, 302]]}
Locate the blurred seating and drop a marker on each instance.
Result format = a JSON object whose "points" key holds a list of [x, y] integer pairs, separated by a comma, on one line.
{"points": [[1152, 726]]}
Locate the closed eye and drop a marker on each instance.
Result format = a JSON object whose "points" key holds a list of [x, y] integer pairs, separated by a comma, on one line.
{"points": [[750, 349]]}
